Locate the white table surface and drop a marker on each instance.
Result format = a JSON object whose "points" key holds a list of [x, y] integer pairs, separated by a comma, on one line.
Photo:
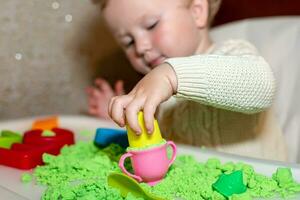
{"points": [[11, 186]]}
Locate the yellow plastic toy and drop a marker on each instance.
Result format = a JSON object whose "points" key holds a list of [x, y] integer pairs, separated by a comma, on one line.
{"points": [[144, 139]]}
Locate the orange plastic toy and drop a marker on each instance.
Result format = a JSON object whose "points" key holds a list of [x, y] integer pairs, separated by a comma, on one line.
{"points": [[45, 123]]}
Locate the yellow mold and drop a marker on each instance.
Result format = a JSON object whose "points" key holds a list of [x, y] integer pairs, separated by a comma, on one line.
{"points": [[144, 139]]}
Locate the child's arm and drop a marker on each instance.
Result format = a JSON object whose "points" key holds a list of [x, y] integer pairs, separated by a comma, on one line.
{"points": [[235, 78]]}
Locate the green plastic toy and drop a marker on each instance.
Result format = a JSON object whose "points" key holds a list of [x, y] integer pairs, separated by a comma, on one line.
{"points": [[127, 185], [7, 138], [229, 184]]}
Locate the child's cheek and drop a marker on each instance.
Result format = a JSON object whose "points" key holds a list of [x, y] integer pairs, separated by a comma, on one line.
{"points": [[161, 42], [156, 39]]}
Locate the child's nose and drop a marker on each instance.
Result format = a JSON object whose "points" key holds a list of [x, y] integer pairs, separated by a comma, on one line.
{"points": [[142, 45]]}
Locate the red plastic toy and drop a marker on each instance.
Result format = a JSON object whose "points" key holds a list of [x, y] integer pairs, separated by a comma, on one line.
{"points": [[62, 137], [28, 154]]}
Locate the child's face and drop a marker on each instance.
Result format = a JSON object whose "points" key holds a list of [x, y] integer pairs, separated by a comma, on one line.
{"points": [[150, 31]]}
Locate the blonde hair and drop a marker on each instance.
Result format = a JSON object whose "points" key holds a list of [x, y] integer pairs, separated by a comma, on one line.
{"points": [[213, 6]]}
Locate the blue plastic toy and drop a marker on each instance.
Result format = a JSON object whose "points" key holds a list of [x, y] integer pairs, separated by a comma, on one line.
{"points": [[106, 136]]}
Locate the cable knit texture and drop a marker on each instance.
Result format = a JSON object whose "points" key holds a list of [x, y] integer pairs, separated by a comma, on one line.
{"points": [[222, 102], [242, 83]]}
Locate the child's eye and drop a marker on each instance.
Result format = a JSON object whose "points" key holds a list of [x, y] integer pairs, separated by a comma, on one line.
{"points": [[126, 41], [129, 44], [152, 26]]}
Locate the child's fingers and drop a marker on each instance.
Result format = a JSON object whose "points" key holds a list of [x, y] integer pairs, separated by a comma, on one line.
{"points": [[117, 109], [149, 111], [98, 101], [110, 106], [131, 114], [89, 90], [103, 85], [90, 98], [99, 81], [92, 91], [119, 88], [93, 111], [93, 102]]}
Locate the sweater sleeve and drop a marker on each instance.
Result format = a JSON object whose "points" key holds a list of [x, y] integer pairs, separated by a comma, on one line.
{"points": [[233, 77]]}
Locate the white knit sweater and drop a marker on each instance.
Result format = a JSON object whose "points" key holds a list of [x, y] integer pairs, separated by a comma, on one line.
{"points": [[222, 102]]}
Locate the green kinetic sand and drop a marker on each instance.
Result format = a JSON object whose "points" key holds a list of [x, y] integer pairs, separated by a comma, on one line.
{"points": [[48, 133], [26, 178], [81, 171], [86, 133], [146, 147]]}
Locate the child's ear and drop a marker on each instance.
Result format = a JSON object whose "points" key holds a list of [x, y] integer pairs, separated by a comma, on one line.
{"points": [[199, 9]]}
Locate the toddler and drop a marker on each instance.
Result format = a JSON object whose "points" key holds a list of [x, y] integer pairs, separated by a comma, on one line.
{"points": [[204, 94]]}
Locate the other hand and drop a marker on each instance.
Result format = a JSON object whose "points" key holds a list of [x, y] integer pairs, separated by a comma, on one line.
{"points": [[100, 95]]}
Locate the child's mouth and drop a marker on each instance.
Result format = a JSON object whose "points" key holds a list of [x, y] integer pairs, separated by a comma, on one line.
{"points": [[157, 61]]}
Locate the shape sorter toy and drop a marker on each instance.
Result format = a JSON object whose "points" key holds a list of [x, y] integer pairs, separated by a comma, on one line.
{"points": [[106, 136]]}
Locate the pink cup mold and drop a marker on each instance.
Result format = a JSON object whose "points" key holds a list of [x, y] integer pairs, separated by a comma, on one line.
{"points": [[149, 165]]}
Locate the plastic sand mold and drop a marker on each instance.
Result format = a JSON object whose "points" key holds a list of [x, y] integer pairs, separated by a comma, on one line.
{"points": [[229, 184], [128, 185], [106, 136], [7, 138], [28, 154], [45, 123], [144, 139]]}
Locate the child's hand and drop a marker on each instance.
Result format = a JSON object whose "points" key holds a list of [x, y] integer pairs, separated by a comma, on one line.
{"points": [[100, 95], [156, 87]]}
